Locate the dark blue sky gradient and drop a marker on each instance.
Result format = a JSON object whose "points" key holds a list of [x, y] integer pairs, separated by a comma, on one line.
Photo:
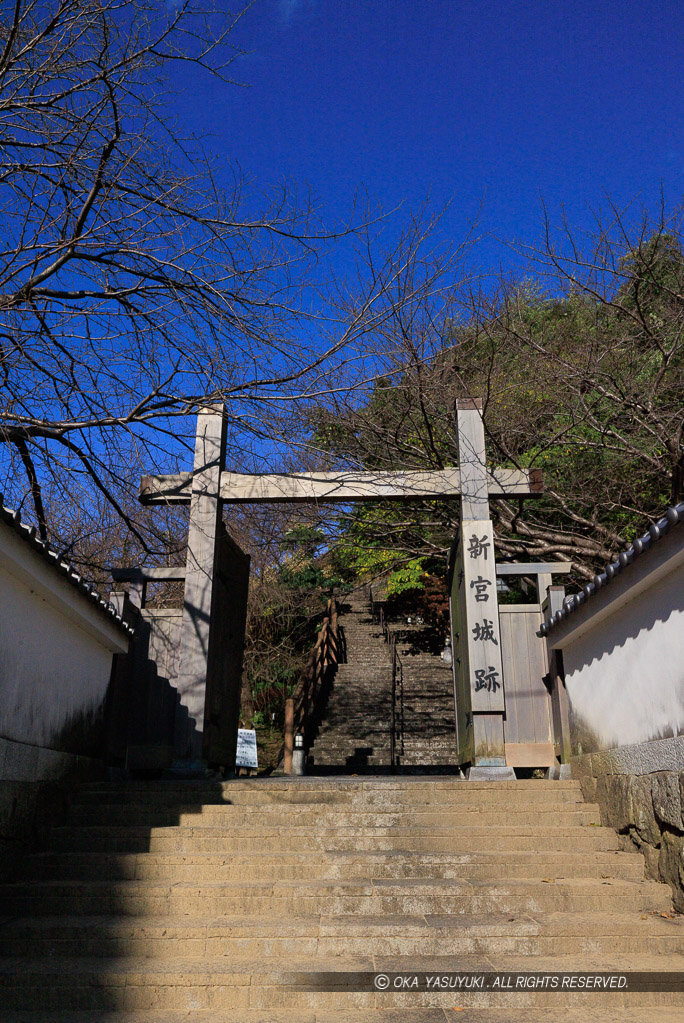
{"points": [[503, 102]]}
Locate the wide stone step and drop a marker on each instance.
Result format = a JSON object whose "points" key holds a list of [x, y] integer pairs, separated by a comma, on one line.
{"points": [[190, 937], [305, 864], [571, 1014], [191, 985], [370, 792], [252, 882], [501, 838], [462, 800], [297, 898], [285, 785], [561, 814]]}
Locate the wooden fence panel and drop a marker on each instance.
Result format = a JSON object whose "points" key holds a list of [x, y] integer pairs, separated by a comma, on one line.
{"points": [[528, 723]]}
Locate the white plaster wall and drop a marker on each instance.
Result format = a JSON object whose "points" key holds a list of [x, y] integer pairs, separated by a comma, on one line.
{"points": [[51, 670], [625, 677]]}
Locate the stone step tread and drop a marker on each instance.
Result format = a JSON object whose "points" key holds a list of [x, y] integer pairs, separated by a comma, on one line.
{"points": [[416, 787], [330, 858], [522, 829], [354, 803], [525, 1014], [416, 942], [277, 784], [598, 840], [274, 871], [18, 971], [305, 888], [294, 904], [460, 792], [550, 924], [344, 820], [383, 885]]}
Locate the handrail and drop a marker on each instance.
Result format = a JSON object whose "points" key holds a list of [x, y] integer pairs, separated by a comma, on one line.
{"points": [[298, 706]]}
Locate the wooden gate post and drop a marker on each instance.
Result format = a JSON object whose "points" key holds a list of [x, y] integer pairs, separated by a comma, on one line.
{"points": [[289, 735], [477, 638], [559, 697], [203, 540]]}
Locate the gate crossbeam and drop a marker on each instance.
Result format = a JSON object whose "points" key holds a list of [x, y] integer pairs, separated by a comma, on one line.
{"points": [[343, 487]]}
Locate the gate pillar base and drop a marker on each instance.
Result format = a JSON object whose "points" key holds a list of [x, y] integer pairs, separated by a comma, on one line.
{"points": [[490, 773], [560, 772]]}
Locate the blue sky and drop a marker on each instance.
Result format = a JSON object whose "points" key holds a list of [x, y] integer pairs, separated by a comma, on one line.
{"points": [[501, 103]]}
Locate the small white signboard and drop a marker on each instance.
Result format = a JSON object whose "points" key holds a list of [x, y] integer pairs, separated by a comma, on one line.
{"points": [[246, 755]]}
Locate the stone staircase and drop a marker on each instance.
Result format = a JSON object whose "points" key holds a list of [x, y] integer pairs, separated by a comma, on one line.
{"points": [[426, 702], [354, 730], [201, 901]]}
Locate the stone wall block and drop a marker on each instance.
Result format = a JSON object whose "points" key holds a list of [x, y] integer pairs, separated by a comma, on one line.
{"points": [[652, 862], [667, 801], [603, 799], [671, 867], [588, 787], [681, 796], [641, 813], [618, 792]]}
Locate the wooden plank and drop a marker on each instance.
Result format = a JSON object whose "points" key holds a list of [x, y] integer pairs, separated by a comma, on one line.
{"points": [[514, 482], [544, 580], [530, 754], [477, 590], [203, 537], [239, 488], [154, 574], [510, 674], [472, 461], [226, 648], [513, 609], [488, 740], [343, 487], [331, 487], [560, 710], [289, 736], [543, 709], [534, 567], [464, 717], [174, 489], [534, 717], [528, 704]]}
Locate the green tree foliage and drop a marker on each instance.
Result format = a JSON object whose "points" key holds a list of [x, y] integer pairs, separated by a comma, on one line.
{"points": [[292, 579], [581, 369]]}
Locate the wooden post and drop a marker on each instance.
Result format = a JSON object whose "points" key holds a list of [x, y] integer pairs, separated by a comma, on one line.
{"points": [[137, 592], [559, 696], [544, 581], [203, 539], [289, 735], [479, 647]]}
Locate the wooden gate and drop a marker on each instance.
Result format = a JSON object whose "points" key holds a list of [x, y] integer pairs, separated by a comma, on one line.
{"points": [[528, 725], [472, 482]]}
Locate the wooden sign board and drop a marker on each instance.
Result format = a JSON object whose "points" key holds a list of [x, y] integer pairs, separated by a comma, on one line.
{"points": [[246, 755]]}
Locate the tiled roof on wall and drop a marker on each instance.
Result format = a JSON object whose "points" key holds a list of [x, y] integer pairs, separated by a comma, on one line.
{"points": [[52, 557], [672, 518]]}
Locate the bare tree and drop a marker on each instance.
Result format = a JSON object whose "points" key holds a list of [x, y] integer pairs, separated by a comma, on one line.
{"points": [[134, 288]]}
